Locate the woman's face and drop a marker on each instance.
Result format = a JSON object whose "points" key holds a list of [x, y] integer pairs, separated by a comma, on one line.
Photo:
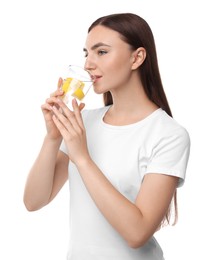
{"points": [[108, 59]]}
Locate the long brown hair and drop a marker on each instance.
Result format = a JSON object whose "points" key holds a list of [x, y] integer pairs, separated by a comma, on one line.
{"points": [[135, 31]]}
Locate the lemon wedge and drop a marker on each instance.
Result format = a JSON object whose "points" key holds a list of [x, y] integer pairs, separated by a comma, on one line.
{"points": [[74, 87], [66, 85], [75, 84], [78, 93]]}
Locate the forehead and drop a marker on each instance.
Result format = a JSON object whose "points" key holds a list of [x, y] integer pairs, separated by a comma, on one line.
{"points": [[104, 35]]}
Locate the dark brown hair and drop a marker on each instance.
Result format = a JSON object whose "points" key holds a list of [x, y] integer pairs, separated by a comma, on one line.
{"points": [[135, 31]]}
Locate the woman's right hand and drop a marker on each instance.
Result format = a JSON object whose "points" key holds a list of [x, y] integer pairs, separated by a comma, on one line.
{"points": [[52, 131]]}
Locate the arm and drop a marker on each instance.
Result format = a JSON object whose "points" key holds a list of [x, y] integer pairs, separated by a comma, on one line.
{"points": [[46, 177], [136, 222], [50, 170]]}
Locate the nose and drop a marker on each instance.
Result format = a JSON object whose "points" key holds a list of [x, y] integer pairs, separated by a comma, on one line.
{"points": [[89, 65]]}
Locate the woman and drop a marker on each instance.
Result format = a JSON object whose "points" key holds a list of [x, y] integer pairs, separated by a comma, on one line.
{"points": [[125, 160]]}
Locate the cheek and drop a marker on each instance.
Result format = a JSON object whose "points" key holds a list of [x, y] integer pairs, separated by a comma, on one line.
{"points": [[120, 74], [122, 67], [116, 72], [117, 68], [116, 79]]}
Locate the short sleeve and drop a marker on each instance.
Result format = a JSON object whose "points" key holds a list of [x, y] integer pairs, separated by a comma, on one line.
{"points": [[170, 155]]}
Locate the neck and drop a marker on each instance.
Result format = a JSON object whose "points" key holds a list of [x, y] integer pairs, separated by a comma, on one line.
{"points": [[129, 105]]}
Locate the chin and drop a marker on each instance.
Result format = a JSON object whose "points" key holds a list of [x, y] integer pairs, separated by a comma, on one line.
{"points": [[99, 91]]}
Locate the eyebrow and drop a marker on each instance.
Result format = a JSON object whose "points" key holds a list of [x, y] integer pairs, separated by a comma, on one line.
{"points": [[97, 45]]}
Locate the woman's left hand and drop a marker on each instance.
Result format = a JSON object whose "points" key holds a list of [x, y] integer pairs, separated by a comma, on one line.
{"points": [[71, 127]]}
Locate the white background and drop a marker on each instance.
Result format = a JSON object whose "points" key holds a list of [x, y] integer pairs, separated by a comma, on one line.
{"points": [[40, 37]]}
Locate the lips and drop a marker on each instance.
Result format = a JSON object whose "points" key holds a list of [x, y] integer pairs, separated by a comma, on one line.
{"points": [[95, 77]]}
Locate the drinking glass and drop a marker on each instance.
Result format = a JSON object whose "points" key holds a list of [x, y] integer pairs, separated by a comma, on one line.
{"points": [[76, 84]]}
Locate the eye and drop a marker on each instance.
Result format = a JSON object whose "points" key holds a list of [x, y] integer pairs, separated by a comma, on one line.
{"points": [[85, 54], [102, 52]]}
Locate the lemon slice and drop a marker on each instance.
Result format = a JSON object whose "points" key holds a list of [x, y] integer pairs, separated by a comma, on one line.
{"points": [[66, 85], [73, 87], [78, 93], [75, 84]]}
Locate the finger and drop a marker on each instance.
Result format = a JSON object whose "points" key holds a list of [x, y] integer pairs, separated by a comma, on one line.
{"points": [[62, 129], [52, 101], [60, 83], [67, 118], [46, 106], [81, 106], [58, 92], [77, 112], [63, 121]]}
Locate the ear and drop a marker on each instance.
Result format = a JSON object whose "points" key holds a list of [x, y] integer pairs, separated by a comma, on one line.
{"points": [[138, 57]]}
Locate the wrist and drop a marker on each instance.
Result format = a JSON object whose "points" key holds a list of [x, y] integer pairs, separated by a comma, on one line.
{"points": [[53, 141], [83, 163]]}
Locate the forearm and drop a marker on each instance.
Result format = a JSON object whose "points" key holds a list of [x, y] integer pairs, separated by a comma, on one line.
{"points": [[122, 214], [41, 176]]}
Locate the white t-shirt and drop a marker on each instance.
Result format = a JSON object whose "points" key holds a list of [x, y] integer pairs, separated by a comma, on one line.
{"points": [[157, 144]]}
